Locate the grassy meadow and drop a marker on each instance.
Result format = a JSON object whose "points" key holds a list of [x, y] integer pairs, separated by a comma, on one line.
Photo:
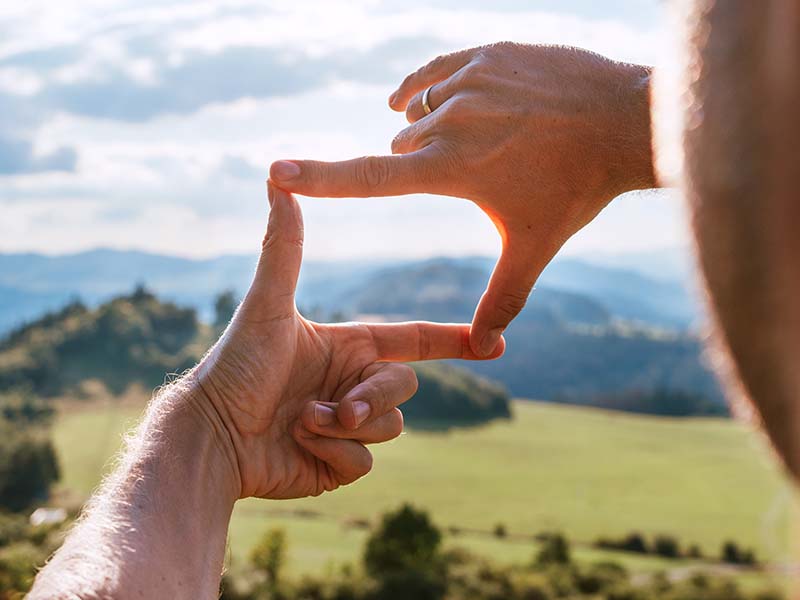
{"points": [[586, 472]]}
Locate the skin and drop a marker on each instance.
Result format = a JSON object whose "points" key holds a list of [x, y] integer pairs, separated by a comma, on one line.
{"points": [[280, 408], [741, 166], [539, 137]]}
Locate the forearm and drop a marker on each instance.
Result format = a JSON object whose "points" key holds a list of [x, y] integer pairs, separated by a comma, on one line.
{"points": [[742, 158], [158, 525]]}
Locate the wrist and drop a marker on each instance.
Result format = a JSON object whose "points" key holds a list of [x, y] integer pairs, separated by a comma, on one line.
{"points": [[198, 436], [629, 153]]}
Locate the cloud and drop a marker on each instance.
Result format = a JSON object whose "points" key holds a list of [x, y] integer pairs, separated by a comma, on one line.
{"points": [[17, 157], [203, 78], [240, 168]]}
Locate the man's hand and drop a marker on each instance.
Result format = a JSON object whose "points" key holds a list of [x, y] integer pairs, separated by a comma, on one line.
{"points": [[279, 408], [541, 138], [297, 400]]}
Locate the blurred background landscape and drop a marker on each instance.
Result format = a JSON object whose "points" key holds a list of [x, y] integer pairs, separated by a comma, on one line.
{"points": [[596, 459]]}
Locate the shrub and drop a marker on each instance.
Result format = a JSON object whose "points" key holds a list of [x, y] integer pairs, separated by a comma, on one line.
{"points": [[268, 556], [633, 542], [28, 466], [554, 550], [600, 577], [500, 531], [733, 554], [694, 551], [406, 540], [666, 546]]}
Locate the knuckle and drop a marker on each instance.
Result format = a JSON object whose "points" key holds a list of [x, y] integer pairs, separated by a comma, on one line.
{"points": [[397, 144], [395, 427], [423, 343], [512, 303], [372, 172], [365, 465], [475, 72]]}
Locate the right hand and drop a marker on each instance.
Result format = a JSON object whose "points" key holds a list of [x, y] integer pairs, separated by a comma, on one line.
{"points": [[539, 137], [291, 402]]}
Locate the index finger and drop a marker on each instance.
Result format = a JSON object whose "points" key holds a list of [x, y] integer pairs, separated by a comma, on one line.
{"points": [[364, 177], [420, 340]]}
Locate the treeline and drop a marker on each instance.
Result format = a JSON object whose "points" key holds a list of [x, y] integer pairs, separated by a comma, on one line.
{"points": [[660, 401], [138, 338], [667, 546], [404, 558], [133, 338]]}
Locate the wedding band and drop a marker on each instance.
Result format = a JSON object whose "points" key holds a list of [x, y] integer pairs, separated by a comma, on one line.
{"points": [[426, 107]]}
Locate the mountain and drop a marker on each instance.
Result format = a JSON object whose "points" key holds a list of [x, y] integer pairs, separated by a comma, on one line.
{"points": [[564, 344], [30, 284], [97, 275], [626, 293]]}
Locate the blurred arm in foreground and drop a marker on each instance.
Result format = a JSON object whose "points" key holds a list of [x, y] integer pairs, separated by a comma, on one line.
{"points": [[742, 161], [542, 138], [269, 412]]}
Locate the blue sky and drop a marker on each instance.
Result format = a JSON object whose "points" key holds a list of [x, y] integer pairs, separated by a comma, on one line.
{"points": [[151, 125]]}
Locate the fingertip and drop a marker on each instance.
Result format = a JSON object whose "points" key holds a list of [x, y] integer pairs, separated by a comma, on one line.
{"points": [[346, 414], [284, 171]]}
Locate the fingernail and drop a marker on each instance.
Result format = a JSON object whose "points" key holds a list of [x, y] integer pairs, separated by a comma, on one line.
{"points": [[323, 415], [392, 98], [489, 341], [283, 170], [270, 195], [361, 410]]}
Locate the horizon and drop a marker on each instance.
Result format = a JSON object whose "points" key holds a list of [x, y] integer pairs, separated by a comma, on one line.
{"points": [[155, 134]]}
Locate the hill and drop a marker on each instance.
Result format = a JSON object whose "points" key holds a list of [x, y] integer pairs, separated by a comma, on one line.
{"points": [[587, 472], [138, 339], [563, 346]]}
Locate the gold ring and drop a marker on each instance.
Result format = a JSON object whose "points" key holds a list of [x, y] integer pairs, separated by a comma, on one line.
{"points": [[426, 107]]}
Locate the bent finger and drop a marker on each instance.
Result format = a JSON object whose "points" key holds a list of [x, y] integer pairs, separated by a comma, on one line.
{"points": [[321, 418], [416, 136], [439, 69], [383, 386], [346, 460], [505, 296], [439, 94]]}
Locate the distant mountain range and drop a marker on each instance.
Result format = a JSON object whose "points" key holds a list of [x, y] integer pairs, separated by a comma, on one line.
{"points": [[33, 283], [589, 330]]}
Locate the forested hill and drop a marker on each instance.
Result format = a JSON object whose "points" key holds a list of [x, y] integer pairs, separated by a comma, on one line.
{"points": [[564, 346], [138, 338]]}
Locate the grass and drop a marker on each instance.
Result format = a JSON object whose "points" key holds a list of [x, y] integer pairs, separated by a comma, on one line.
{"points": [[585, 472]]}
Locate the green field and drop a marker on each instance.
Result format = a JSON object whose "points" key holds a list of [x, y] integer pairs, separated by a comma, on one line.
{"points": [[582, 471]]}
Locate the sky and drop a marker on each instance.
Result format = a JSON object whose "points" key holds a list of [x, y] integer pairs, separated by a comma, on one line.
{"points": [[138, 124]]}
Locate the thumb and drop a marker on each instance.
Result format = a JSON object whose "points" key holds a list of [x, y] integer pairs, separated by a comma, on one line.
{"points": [[363, 177], [505, 296], [275, 281]]}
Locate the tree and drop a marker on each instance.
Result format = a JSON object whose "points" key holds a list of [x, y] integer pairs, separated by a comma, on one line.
{"points": [[666, 546], [402, 554], [554, 550], [224, 307], [268, 556], [28, 467], [405, 540]]}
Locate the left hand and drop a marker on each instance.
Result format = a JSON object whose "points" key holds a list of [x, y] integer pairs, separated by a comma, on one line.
{"points": [[296, 401], [539, 137]]}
